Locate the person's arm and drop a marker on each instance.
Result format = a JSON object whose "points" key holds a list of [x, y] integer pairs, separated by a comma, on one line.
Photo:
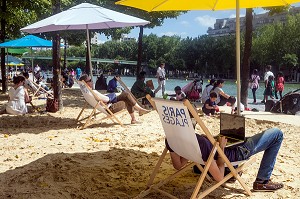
{"points": [[178, 161], [207, 106], [26, 96], [224, 95], [217, 167]]}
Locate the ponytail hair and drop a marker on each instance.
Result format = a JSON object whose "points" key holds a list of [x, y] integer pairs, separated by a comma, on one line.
{"points": [[220, 81]]}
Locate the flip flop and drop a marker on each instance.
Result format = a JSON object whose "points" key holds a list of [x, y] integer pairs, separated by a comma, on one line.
{"points": [[255, 110]]}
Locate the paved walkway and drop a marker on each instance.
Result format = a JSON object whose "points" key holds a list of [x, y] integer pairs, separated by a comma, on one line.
{"points": [[268, 116]]}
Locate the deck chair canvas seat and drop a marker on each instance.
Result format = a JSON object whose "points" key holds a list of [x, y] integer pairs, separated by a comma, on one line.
{"points": [[181, 137], [37, 90], [98, 105]]}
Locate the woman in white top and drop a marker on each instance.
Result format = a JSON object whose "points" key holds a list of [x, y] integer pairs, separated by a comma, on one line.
{"points": [[254, 84], [206, 91], [223, 98], [161, 78], [18, 97]]}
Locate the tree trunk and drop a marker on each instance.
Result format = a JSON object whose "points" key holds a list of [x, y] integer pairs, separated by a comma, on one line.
{"points": [[2, 39], [65, 53], [140, 50], [56, 60], [246, 58]]}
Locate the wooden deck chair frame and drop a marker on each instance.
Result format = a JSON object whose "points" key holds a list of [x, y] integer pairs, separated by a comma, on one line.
{"points": [[196, 194], [39, 90], [100, 106], [129, 91]]}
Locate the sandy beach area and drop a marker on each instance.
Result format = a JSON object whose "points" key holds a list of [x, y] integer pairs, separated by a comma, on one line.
{"points": [[44, 155]]}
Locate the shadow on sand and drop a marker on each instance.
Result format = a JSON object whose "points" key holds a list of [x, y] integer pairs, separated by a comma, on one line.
{"points": [[117, 173]]}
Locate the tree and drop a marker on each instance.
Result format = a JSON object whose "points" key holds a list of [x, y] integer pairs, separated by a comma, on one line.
{"points": [[13, 16], [57, 87], [246, 58]]}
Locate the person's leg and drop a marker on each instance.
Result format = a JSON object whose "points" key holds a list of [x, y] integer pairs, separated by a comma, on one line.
{"points": [[223, 101], [158, 88], [280, 94], [254, 94], [268, 141], [163, 89], [131, 104], [276, 96]]}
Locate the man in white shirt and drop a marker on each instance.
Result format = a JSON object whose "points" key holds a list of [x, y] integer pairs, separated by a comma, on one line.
{"points": [[161, 78], [37, 68], [268, 73]]}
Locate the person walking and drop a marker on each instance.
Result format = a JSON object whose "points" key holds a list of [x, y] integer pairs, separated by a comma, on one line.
{"points": [[254, 84], [161, 78], [279, 85], [268, 89]]}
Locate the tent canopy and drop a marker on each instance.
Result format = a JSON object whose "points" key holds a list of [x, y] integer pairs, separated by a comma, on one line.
{"points": [[27, 41]]}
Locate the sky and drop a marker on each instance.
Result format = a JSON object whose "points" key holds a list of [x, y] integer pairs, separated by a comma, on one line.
{"points": [[192, 24]]}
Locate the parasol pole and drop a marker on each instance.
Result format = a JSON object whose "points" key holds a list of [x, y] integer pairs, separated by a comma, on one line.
{"points": [[238, 58], [32, 69], [89, 51]]}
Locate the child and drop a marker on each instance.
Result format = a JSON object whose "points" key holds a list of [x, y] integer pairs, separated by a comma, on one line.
{"points": [[179, 95], [210, 106], [270, 89], [279, 85]]}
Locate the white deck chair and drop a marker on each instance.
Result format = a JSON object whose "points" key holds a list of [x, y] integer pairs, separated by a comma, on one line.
{"points": [[37, 90], [181, 138], [98, 105]]}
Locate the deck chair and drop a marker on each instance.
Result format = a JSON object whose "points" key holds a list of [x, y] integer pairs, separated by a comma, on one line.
{"points": [[181, 137], [129, 91], [37, 90], [98, 105]]}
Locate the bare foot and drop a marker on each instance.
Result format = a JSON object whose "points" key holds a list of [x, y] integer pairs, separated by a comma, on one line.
{"points": [[143, 112]]}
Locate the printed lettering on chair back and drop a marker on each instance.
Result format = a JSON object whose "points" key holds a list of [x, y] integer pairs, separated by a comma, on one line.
{"points": [[178, 127]]}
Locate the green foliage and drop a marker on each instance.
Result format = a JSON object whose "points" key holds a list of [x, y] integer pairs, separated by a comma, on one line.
{"points": [[290, 60]]}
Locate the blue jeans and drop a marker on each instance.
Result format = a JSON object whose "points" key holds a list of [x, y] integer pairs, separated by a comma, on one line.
{"points": [[268, 141]]}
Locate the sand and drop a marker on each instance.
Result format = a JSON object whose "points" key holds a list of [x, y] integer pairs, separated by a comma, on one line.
{"points": [[46, 156]]}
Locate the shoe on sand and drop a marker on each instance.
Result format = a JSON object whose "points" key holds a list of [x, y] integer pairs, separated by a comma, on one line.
{"points": [[269, 186]]}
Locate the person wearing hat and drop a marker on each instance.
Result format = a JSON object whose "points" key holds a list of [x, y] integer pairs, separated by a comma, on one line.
{"points": [[139, 88]]}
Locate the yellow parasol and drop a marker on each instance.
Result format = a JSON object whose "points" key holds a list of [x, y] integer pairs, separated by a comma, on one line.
{"points": [[181, 5]]}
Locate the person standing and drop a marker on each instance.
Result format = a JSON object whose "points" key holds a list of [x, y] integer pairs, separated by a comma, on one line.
{"points": [[161, 78], [254, 84], [78, 73], [267, 91], [279, 85]]}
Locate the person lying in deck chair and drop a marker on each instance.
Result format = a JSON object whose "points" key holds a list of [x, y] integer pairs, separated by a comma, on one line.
{"points": [[131, 104], [268, 141]]}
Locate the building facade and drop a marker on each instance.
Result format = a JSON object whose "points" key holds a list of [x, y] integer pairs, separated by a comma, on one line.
{"points": [[227, 26]]}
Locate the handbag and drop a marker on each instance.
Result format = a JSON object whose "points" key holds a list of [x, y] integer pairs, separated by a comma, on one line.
{"points": [[52, 105]]}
